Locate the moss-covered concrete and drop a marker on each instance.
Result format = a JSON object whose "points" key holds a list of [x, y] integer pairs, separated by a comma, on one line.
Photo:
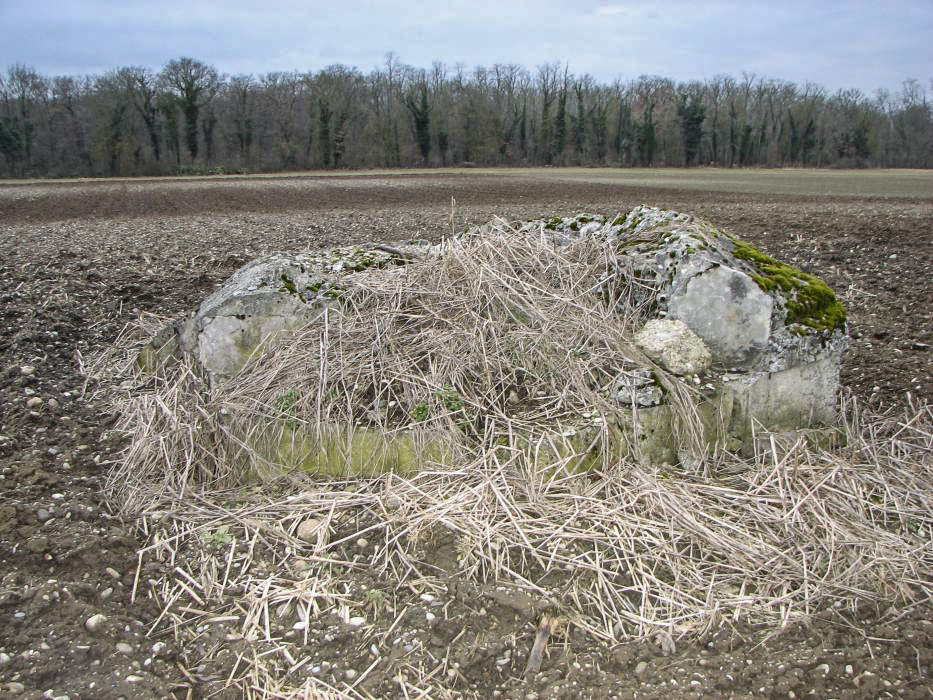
{"points": [[810, 302], [358, 452], [646, 435], [162, 350]]}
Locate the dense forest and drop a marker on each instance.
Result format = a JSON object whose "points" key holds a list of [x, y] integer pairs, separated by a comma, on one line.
{"points": [[188, 118]]}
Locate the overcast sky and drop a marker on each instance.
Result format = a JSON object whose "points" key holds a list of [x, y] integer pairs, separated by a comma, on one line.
{"points": [[837, 44]]}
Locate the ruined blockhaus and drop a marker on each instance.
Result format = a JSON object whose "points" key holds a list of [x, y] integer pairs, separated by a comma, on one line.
{"points": [[758, 342]]}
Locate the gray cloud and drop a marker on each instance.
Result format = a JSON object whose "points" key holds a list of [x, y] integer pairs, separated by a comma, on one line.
{"points": [[865, 45]]}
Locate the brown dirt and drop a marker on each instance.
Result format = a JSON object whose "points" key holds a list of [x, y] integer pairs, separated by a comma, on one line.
{"points": [[78, 261]]}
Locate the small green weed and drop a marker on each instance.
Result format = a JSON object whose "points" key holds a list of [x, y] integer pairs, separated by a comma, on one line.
{"points": [[287, 404], [219, 538], [375, 599], [450, 397]]}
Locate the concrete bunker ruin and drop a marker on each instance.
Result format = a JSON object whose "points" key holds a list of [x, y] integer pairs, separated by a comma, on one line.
{"points": [[714, 341]]}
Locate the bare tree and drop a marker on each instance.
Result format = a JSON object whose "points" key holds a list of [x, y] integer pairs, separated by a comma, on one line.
{"points": [[132, 120]]}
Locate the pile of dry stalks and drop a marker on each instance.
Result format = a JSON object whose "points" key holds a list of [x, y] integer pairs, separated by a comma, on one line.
{"points": [[499, 337]]}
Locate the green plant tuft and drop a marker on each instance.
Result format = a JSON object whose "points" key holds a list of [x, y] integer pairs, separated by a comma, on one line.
{"points": [[219, 538], [420, 412], [450, 398]]}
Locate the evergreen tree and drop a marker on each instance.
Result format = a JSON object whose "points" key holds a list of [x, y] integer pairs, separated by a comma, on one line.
{"points": [[168, 107], [523, 132], [421, 119], [560, 123], [622, 143], [579, 131], [647, 137], [323, 130], [691, 111]]}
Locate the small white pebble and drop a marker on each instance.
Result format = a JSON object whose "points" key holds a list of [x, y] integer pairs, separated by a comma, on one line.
{"points": [[93, 623], [356, 621]]}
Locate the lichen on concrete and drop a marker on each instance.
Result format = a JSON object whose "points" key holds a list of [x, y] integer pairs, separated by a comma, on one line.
{"points": [[262, 300]]}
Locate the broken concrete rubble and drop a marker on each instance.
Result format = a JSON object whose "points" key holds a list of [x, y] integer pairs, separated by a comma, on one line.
{"points": [[674, 346]]}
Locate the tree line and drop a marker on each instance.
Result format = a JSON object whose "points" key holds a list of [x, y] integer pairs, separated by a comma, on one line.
{"points": [[188, 118]]}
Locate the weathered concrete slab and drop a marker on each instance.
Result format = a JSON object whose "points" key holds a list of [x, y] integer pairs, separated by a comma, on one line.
{"points": [[798, 397]]}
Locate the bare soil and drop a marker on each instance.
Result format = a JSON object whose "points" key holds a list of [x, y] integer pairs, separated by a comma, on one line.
{"points": [[80, 260]]}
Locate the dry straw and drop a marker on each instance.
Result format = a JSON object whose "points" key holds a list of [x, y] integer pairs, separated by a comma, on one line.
{"points": [[490, 348]]}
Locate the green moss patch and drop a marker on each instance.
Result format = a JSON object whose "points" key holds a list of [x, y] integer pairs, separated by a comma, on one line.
{"points": [[810, 302], [288, 285], [360, 259]]}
